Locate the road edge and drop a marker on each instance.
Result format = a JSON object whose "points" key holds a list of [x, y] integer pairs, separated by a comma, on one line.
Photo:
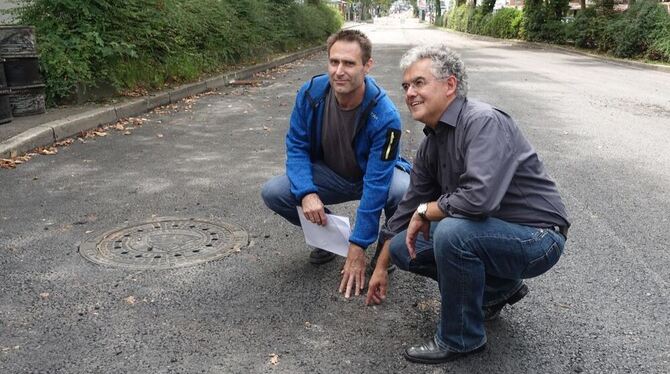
{"points": [[53, 131]]}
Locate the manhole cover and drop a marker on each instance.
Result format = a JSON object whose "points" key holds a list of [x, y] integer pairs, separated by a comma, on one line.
{"points": [[164, 243]]}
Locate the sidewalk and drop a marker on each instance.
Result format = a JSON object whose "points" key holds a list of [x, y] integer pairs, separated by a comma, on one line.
{"points": [[23, 134]]}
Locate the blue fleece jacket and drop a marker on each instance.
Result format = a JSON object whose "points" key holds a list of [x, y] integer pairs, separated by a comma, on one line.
{"points": [[376, 143]]}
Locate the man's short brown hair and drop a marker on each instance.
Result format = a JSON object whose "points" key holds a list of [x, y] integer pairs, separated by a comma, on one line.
{"points": [[353, 36]]}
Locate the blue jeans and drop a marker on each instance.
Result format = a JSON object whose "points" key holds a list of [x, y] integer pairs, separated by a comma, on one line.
{"points": [[476, 263], [332, 189]]}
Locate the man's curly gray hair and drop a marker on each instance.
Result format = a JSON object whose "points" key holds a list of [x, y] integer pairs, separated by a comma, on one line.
{"points": [[445, 63]]}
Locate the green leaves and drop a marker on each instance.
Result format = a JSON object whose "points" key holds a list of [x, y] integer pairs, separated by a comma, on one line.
{"points": [[145, 43]]}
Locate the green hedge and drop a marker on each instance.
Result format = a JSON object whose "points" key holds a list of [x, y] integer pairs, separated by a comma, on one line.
{"points": [[504, 23], [643, 31], [147, 43]]}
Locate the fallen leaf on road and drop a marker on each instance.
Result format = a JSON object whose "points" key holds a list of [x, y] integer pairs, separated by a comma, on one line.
{"points": [[127, 133], [159, 135], [100, 131], [274, 358], [118, 127], [64, 142], [47, 150], [137, 92], [44, 295], [130, 300], [429, 305], [6, 163]]}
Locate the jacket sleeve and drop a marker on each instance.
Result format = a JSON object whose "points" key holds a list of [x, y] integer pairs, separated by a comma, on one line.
{"points": [[298, 163], [376, 182]]}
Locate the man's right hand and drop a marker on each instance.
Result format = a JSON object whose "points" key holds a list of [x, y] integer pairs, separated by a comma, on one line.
{"points": [[377, 287], [313, 209], [380, 277]]}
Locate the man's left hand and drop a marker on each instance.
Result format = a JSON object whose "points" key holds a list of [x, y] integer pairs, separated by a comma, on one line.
{"points": [[416, 225], [353, 273]]}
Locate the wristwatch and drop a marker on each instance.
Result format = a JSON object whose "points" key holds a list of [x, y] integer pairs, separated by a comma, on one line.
{"points": [[421, 211]]}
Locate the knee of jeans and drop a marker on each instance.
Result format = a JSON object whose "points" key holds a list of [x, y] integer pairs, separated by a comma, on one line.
{"points": [[267, 193], [272, 192], [397, 189], [448, 235], [399, 255]]}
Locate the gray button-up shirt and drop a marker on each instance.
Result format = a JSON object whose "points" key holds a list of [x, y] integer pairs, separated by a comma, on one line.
{"points": [[477, 164]]}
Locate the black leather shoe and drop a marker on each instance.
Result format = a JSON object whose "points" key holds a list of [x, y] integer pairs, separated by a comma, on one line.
{"points": [[319, 256], [430, 353], [492, 312]]}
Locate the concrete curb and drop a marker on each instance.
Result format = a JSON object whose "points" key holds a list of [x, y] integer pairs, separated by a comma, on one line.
{"points": [[47, 133]]}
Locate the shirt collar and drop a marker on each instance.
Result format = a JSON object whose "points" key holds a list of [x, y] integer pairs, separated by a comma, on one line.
{"points": [[449, 117]]}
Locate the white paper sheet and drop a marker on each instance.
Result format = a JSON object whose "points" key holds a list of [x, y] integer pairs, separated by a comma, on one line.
{"points": [[333, 237]]}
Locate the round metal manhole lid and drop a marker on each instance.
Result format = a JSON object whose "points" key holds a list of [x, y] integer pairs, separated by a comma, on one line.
{"points": [[164, 243]]}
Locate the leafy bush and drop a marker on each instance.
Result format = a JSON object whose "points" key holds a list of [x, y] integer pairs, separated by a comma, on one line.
{"points": [[586, 29], [641, 31], [459, 18], [660, 47], [543, 21], [146, 43], [633, 32], [505, 23]]}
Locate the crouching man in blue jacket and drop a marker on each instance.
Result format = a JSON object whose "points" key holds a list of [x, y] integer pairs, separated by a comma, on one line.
{"points": [[342, 145]]}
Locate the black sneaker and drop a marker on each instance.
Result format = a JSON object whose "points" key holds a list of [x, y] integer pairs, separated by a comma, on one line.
{"points": [[492, 312], [319, 256]]}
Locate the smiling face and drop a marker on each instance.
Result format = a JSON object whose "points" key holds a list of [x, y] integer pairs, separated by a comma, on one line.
{"points": [[347, 71], [427, 96]]}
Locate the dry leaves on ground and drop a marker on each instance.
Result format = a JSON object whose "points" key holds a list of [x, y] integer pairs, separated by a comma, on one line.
{"points": [[427, 305], [274, 358], [10, 163], [64, 142], [130, 300], [48, 151], [135, 93], [88, 134]]}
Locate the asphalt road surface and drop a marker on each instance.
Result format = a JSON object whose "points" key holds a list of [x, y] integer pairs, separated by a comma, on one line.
{"points": [[602, 129]]}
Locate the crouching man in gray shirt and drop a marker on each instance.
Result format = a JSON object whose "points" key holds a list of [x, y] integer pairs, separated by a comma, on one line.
{"points": [[481, 212]]}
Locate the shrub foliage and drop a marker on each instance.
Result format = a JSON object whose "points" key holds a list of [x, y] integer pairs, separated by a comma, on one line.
{"points": [[146, 43], [641, 31]]}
